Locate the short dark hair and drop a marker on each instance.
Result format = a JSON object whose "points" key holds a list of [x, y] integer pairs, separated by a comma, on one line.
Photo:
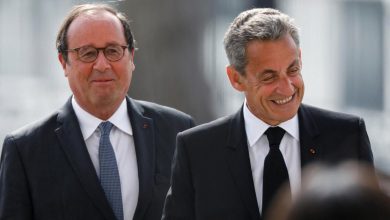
{"points": [[62, 39]]}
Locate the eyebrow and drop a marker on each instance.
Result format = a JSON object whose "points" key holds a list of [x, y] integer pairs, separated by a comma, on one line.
{"points": [[295, 62]]}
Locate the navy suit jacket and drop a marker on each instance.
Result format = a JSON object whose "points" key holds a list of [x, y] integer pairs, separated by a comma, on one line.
{"points": [[46, 172], [211, 171]]}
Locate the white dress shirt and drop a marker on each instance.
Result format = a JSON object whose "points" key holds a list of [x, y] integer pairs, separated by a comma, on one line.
{"points": [[122, 141], [258, 149]]}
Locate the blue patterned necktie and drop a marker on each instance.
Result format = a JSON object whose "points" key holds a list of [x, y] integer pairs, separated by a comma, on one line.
{"points": [[109, 174]]}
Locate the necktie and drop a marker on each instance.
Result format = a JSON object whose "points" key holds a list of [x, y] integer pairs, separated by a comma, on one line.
{"points": [[109, 175], [275, 170]]}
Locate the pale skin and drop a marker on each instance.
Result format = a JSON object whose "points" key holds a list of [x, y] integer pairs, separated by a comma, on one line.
{"points": [[98, 87], [272, 82]]}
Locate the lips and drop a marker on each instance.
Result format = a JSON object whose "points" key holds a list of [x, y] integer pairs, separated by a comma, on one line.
{"points": [[102, 80]]}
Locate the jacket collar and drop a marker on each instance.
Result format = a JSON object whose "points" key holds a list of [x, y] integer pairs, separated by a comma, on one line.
{"points": [[144, 141], [72, 142], [239, 164]]}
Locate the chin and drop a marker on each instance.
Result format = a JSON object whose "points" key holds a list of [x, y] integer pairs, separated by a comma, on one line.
{"points": [[103, 100], [285, 117]]}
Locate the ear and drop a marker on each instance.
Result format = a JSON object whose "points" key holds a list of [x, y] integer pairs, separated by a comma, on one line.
{"points": [[132, 59], [235, 78], [132, 55], [63, 62]]}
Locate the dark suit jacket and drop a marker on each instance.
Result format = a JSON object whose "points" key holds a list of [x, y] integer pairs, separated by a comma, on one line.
{"points": [[211, 172], [46, 171]]}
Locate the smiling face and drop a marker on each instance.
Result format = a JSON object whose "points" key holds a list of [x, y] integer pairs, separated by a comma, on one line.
{"points": [[99, 87], [272, 82]]}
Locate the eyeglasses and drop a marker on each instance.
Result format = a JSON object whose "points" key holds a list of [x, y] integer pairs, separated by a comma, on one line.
{"points": [[89, 54]]}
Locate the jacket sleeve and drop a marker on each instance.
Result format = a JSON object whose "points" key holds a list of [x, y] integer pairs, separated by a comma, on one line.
{"points": [[15, 201], [179, 203]]}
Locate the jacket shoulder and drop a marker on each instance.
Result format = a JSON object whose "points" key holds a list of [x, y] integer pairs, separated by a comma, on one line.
{"points": [[36, 128], [326, 115], [214, 129], [315, 120], [155, 110]]}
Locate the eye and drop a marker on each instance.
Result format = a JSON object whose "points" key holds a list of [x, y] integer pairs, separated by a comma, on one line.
{"points": [[113, 50], [268, 78], [293, 71], [87, 52]]}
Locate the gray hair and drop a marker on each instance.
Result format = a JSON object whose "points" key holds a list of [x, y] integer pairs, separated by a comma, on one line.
{"points": [[256, 24]]}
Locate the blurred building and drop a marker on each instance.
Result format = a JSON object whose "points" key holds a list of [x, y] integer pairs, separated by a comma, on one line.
{"points": [[346, 53], [180, 61]]}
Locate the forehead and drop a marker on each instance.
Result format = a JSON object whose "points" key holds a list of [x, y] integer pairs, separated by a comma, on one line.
{"points": [[273, 54], [96, 28]]}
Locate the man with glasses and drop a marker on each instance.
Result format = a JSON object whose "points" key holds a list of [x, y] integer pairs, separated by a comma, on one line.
{"points": [[102, 155]]}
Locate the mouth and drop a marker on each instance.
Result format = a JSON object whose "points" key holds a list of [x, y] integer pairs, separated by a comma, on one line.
{"points": [[283, 101], [102, 80]]}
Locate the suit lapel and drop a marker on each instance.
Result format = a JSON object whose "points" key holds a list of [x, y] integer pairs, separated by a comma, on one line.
{"points": [[144, 141], [239, 164], [72, 142], [308, 131]]}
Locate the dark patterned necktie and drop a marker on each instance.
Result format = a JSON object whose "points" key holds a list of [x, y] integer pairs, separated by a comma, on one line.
{"points": [[275, 170], [109, 174]]}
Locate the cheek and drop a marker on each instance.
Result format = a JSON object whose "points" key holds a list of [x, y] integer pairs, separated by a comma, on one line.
{"points": [[265, 92], [298, 81], [75, 80], [79, 76], [80, 70], [123, 69], [127, 80], [124, 75]]}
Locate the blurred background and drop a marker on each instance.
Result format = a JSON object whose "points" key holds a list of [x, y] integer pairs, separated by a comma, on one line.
{"points": [[181, 61]]}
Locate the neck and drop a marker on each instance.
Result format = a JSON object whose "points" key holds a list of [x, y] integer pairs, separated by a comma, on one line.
{"points": [[102, 111]]}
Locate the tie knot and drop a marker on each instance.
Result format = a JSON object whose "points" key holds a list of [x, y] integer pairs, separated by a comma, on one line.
{"points": [[105, 127], [274, 135]]}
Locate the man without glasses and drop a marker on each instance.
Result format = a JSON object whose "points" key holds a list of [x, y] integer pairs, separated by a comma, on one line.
{"points": [[231, 168]]}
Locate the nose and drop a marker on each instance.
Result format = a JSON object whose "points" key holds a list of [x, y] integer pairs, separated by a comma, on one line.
{"points": [[101, 63], [286, 86]]}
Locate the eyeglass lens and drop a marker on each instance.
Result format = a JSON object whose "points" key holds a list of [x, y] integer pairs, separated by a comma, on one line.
{"points": [[112, 53]]}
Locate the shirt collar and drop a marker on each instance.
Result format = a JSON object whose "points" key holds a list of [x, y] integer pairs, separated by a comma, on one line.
{"points": [[255, 127], [89, 123]]}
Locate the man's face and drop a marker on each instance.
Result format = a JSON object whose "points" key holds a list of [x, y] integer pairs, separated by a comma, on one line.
{"points": [[272, 83], [99, 85]]}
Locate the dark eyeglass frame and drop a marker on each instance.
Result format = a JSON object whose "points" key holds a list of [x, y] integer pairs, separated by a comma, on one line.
{"points": [[98, 49]]}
